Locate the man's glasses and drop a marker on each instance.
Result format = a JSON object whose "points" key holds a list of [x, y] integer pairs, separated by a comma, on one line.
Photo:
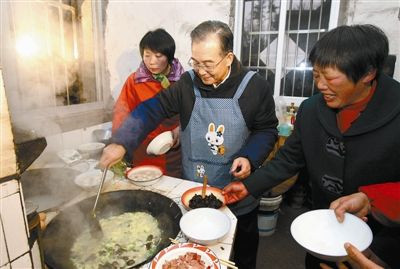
{"points": [[208, 67]]}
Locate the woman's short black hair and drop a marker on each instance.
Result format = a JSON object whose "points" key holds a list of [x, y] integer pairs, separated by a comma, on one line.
{"points": [[214, 27], [158, 41], [354, 50]]}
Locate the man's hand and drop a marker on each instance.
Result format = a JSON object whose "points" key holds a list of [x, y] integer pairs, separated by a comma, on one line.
{"points": [[240, 168], [357, 204], [112, 154], [356, 259], [175, 137], [234, 192]]}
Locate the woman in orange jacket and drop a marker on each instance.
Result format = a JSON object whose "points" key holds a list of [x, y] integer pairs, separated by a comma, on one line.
{"points": [[156, 72]]}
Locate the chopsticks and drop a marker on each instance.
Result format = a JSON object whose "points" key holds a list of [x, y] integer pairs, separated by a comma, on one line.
{"points": [[203, 190], [173, 241], [227, 263]]}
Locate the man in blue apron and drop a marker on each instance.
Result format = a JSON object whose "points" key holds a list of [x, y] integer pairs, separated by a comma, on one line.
{"points": [[228, 125]]}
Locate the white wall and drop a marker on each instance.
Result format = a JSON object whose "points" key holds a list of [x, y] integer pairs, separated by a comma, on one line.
{"points": [[382, 13], [128, 21]]}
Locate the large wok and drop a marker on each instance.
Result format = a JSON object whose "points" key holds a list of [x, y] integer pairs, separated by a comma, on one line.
{"points": [[61, 232]]}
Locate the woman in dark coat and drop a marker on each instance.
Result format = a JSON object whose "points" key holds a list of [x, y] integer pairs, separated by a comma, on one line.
{"points": [[346, 136]]}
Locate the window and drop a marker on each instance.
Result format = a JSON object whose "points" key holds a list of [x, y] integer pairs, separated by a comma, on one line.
{"points": [[51, 57], [277, 37]]}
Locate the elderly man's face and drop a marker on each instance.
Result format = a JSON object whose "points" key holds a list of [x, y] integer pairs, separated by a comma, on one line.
{"points": [[338, 90], [209, 62]]}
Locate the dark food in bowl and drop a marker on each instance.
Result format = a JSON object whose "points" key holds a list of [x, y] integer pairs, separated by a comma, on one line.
{"points": [[209, 201]]}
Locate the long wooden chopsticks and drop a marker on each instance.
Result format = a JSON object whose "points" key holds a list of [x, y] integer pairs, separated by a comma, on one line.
{"points": [[227, 263], [203, 190], [173, 241]]}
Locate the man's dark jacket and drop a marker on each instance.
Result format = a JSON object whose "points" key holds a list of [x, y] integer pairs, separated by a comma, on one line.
{"points": [[256, 104]]}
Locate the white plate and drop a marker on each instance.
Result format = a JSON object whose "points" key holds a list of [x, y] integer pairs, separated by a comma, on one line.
{"points": [[69, 156], [176, 250], [92, 178], [320, 233], [206, 226], [91, 148], [82, 166], [144, 174]]}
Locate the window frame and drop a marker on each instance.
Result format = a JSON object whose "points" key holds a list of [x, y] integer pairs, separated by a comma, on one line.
{"points": [[68, 117], [237, 44]]}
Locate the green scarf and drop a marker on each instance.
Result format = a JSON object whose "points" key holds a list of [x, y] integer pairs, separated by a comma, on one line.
{"points": [[162, 79]]}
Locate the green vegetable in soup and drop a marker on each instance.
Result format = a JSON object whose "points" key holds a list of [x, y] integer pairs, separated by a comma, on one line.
{"points": [[128, 239], [119, 168]]}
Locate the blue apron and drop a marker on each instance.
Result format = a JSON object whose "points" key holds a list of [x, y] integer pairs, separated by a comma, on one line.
{"points": [[214, 135]]}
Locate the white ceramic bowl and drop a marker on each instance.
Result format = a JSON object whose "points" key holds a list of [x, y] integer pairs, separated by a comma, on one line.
{"points": [[160, 144], [69, 156], [188, 195], [91, 148], [90, 180], [144, 175], [320, 233], [205, 226], [102, 135]]}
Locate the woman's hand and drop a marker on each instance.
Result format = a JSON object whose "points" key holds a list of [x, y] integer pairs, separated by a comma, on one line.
{"points": [[357, 204], [234, 192], [112, 154], [240, 168], [356, 259]]}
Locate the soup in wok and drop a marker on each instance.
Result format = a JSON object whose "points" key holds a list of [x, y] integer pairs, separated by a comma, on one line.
{"points": [[128, 239], [136, 225]]}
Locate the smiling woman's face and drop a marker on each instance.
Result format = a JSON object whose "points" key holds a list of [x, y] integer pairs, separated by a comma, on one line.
{"points": [[339, 91], [155, 62]]}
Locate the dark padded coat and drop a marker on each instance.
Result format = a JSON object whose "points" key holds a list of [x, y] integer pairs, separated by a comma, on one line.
{"points": [[337, 164]]}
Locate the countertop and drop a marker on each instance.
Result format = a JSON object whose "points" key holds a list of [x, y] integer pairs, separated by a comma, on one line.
{"points": [[172, 188]]}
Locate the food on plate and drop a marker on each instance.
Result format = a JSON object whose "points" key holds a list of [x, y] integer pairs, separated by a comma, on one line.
{"points": [[145, 176], [192, 198], [129, 239], [190, 260], [210, 200]]}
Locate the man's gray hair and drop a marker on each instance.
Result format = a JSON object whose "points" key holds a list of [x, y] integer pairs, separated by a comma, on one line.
{"points": [[219, 28]]}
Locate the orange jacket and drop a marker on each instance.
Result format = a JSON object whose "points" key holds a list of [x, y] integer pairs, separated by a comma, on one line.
{"points": [[132, 94]]}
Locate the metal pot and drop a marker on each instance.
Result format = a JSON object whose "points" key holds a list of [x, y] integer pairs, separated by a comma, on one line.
{"points": [[61, 232], [34, 240]]}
